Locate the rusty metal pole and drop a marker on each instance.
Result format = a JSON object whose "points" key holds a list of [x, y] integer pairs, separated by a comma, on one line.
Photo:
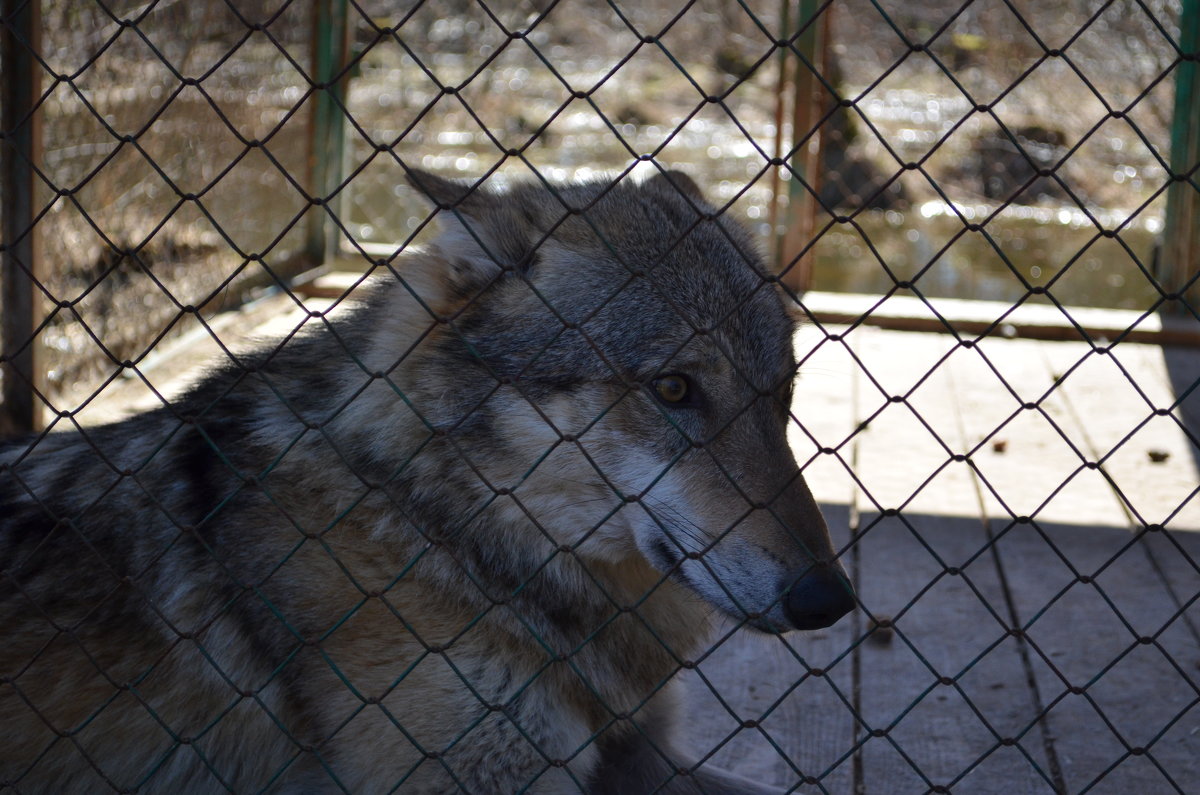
{"points": [[781, 84], [1180, 260], [795, 254], [20, 152]]}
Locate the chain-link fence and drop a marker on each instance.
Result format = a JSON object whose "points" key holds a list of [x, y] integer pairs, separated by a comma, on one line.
{"points": [[515, 490]]}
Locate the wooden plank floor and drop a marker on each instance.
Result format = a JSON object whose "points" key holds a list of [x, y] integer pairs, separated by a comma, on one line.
{"points": [[1043, 641], [1020, 631]]}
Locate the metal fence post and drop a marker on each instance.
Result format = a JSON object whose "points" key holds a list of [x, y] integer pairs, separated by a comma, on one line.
{"points": [[331, 46], [20, 150], [1181, 230], [800, 218]]}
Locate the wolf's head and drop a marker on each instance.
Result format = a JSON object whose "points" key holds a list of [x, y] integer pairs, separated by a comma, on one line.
{"points": [[615, 361]]}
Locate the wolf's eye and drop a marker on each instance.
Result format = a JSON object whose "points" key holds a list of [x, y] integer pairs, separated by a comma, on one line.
{"points": [[671, 388]]}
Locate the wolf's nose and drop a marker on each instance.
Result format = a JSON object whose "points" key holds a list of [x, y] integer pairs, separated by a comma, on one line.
{"points": [[818, 599]]}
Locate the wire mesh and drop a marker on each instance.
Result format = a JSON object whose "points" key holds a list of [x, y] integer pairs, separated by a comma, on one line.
{"points": [[462, 521]]}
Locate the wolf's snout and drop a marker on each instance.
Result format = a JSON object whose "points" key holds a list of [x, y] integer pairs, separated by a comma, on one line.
{"points": [[818, 599]]}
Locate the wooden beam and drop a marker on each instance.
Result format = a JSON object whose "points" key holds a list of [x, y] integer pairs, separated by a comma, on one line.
{"points": [[998, 318]]}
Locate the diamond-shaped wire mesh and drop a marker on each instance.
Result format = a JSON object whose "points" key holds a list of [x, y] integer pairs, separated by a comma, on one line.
{"points": [[438, 396]]}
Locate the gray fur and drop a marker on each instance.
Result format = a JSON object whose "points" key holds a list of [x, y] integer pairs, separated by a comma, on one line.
{"points": [[449, 540]]}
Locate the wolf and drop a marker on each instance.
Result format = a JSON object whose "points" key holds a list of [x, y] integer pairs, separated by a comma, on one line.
{"points": [[458, 538]]}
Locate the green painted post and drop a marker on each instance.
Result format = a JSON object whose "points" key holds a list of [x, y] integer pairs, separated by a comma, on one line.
{"points": [[20, 153], [1181, 232], [331, 46]]}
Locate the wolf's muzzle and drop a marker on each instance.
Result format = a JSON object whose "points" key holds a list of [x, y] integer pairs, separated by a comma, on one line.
{"points": [[819, 598]]}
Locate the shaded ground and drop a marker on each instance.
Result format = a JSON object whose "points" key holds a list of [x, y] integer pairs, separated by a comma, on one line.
{"points": [[1028, 624]]}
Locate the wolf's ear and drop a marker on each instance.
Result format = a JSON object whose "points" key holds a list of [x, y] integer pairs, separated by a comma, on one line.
{"points": [[479, 225], [676, 183], [447, 194]]}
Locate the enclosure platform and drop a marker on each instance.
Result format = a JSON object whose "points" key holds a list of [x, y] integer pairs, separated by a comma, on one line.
{"points": [[1020, 629]]}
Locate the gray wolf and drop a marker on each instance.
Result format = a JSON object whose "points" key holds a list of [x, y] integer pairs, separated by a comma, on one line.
{"points": [[459, 538]]}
